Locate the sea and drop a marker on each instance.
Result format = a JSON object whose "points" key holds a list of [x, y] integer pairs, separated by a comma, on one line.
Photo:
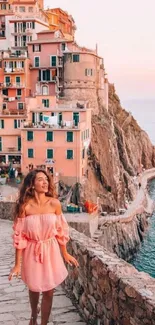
{"points": [[144, 112]]}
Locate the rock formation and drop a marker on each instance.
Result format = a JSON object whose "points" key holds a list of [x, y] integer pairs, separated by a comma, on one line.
{"points": [[118, 149]]}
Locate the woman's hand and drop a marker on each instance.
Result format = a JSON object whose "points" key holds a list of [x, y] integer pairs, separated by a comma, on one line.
{"points": [[70, 259], [14, 272]]}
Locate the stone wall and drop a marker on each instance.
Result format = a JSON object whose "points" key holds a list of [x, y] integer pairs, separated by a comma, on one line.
{"points": [[124, 239], [106, 289]]}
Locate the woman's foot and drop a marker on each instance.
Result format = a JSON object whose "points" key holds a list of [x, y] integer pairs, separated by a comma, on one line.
{"points": [[33, 322]]}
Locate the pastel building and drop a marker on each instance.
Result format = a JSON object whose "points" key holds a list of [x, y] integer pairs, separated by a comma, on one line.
{"points": [[19, 23], [14, 81], [61, 20], [56, 138], [47, 64], [10, 138], [67, 69]]}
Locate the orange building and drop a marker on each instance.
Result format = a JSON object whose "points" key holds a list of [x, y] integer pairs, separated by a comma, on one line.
{"points": [[61, 20], [14, 81]]}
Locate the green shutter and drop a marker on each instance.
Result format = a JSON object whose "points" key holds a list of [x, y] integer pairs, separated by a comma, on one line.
{"points": [[48, 75], [2, 124], [69, 154], [15, 124], [41, 117], [30, 153], [49, 153], [76, 118], [69, 136], [76, 57], [19, 143], [60, 118], [47, 103], [49, 136], [0, 143], [53, 61], [29, 135]]}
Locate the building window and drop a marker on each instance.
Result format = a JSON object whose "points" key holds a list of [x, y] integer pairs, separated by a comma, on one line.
{"points": [[69, 154], [44, 75], [53, 61], [4, 106], [69, 136], [30, 9], [49, 136], [7, 80], [49, 153], [88, 72], [63, 46], [0, 143], [19, 92], [83, 153], [76, 118], [37, 61], [17, 81], [20, 105], [30, 153], [45, 102], [16, 124], [76, 58], [5, 92], [44, 90], [29, 135], [19, 143], [36, 47], [1, 124], [22, 9]]}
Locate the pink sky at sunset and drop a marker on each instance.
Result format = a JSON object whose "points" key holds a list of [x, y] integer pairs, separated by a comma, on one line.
{"points": [[124, 31]]}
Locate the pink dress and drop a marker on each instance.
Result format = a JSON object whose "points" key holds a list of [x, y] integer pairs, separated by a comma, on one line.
{"points": [[39, 237]]}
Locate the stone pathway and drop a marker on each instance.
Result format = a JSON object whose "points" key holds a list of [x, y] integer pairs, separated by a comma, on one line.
{"points": [[14, 305]]}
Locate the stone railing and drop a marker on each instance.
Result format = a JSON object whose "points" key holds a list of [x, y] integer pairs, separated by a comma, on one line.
{"points": [[106, 289]]}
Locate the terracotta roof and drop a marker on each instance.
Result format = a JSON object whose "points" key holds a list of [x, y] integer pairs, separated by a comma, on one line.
{"points": [[52, 40]]}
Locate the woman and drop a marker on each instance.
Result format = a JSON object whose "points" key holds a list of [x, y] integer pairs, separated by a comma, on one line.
{"points": [[40, 236]]}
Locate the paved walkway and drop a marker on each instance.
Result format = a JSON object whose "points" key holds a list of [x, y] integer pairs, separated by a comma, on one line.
{"points": [[14, 305]]}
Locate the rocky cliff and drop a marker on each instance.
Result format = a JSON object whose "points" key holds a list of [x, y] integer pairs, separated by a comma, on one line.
{"points": [[118, 149]]}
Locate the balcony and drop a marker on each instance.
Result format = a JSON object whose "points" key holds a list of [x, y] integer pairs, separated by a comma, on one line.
{"points": [[13, 55], [66, 125], [14, 70], [12, 85], [16, 112]]}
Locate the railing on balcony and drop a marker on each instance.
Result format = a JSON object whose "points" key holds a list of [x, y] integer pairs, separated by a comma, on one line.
{"points": [[12, 85], [12, 112]]}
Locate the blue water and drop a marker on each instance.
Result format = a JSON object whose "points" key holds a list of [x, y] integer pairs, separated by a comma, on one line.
{"points": [[144, 112], [144, 260]]}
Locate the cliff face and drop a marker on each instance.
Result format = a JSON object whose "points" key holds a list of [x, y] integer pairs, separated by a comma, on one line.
{"points": [[118, 149]]}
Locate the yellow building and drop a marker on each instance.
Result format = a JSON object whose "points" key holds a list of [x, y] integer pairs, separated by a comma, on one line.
{"points": [[59, 19]]}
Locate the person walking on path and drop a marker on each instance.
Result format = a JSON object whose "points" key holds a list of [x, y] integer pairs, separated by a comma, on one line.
{"points": [[40, 237]]}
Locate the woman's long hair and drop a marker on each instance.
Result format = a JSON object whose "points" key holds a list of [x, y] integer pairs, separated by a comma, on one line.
{"points": [[27, 191]]}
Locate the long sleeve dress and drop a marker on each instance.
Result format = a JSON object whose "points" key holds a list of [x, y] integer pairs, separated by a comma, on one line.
{"points": [[39, 236]]}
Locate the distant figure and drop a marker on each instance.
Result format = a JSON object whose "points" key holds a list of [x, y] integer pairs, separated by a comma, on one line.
{"points": [[139, 180]]}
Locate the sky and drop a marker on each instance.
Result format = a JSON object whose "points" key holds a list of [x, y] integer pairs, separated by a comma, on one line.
{"points": [[124, 32]]}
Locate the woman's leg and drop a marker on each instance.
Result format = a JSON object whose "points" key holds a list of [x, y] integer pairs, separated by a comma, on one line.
{"points": [[46, 306], [34, 299]]}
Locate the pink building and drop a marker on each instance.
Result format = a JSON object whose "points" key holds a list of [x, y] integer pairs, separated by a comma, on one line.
{"points": [[56, 138], [10, 138]]}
